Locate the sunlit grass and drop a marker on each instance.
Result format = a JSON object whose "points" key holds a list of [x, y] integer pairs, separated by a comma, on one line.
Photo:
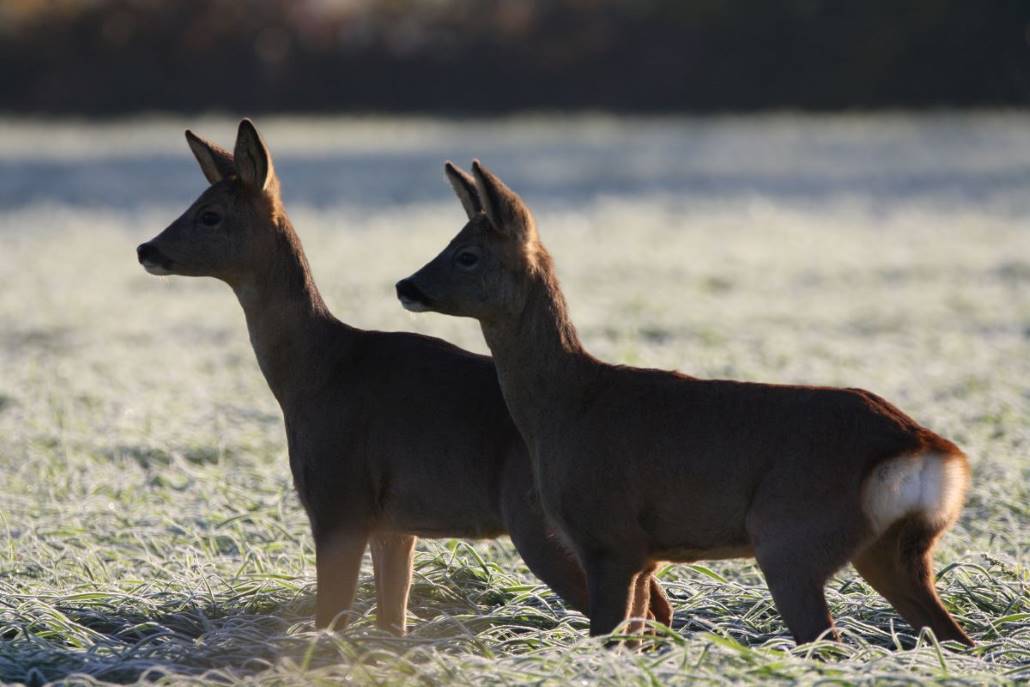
{"points": [[148, 526]]}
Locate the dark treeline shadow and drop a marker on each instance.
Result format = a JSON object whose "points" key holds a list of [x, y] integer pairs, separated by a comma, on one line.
{"points": [[107, 57]]}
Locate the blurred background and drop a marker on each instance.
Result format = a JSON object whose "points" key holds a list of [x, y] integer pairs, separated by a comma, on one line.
{"points": [[571, 99], [598, 91], [107, 57]]}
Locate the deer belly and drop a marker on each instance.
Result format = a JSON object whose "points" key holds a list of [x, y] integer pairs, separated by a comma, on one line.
{"points": [[432, 515], [692, 554]]}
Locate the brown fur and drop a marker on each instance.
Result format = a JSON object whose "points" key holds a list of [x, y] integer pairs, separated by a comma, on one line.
{"points": [[638, 465], [391, 435]]}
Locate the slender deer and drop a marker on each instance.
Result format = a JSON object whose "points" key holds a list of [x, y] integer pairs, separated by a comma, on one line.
{"points": [[636, 466], [391, 436]]}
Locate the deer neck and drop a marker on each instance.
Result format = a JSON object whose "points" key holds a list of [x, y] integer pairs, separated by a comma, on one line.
{"points": [[290, 327], [541, 363]]}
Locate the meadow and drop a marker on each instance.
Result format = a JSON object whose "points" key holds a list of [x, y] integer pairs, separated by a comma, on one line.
{"points": [[148, 525]]}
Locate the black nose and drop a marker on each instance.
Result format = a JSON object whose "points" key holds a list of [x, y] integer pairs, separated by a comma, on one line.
{"points": [[407, 291], [146, 253]]}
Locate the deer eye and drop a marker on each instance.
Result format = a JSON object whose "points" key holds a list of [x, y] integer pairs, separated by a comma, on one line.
{"points": [[467, 258], [210, 218]]}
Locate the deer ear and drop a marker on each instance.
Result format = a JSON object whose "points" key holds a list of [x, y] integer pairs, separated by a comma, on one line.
{"points": [[215, 162], [465, 188], [253, 161], [503, 206]]}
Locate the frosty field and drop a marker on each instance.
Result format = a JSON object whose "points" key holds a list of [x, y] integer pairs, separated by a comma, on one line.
{"points": [[148, 526]]}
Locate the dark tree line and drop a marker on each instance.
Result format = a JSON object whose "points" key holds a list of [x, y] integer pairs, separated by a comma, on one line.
{"points": [[482, 56]]}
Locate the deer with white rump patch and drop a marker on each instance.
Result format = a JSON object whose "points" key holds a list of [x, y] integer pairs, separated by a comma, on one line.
{"points": [[391, 435], [637, 466]]}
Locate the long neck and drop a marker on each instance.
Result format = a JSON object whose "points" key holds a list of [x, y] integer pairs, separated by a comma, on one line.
{"points": [[541, 363], [288, 322]]}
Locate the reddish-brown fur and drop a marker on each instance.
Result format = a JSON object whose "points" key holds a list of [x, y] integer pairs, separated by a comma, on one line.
{"points": [[637, 465], [391, 435]]}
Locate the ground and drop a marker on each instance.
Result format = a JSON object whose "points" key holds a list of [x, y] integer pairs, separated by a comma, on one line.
{"points": [[148, 528]]}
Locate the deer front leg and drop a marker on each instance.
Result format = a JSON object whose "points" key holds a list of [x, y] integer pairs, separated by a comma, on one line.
{"points": [[392, 556], [611, 584], [338, 562], [560, 570]]}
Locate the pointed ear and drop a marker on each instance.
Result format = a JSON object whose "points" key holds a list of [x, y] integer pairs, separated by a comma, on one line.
{"points": [[251, 156], [215, 162], [503, 206], [465, 188]]}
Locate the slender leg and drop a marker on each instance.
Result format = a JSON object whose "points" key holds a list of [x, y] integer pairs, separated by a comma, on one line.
{"points": [[610, 583], [640, 602], [338, 560], [392, 556], [556, 567], [797, 591], [560, 570], [538, 542], [541, 548], [661, 609], [797, 559], [898, 565], [798, 551]]}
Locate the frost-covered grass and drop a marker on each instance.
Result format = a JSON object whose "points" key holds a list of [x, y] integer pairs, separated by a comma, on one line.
{"points": [[147, 523]]}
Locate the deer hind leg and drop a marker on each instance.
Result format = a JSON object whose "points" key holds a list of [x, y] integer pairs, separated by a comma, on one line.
{"points": [[338, 562], [660, 608], [797, 557], [640, 602], [898, 565], [797, 591], [392, 557], [909, 501]]}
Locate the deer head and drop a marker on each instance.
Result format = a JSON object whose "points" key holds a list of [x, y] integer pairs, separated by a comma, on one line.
{"points": [[484, 270], [230, 231]]}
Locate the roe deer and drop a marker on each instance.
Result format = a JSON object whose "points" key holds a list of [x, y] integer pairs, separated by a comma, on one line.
{"points": [[391, 436], [636, 466]]}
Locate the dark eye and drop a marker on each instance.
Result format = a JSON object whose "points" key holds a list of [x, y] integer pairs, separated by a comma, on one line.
{"points": [[210, 218], [467, 258]]}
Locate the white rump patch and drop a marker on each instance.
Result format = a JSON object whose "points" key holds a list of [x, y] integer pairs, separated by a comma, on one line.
{"points": [[927, 483]]}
